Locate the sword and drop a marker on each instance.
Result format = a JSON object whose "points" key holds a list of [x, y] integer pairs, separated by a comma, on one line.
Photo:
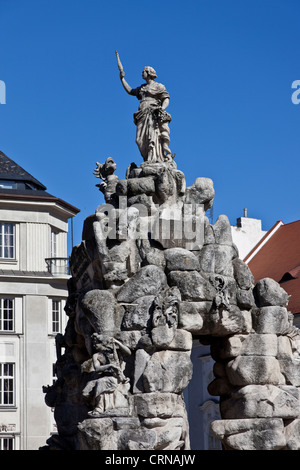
{"points": [[120, 66]]}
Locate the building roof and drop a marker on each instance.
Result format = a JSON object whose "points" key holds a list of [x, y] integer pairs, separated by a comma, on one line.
{"points": [[26, 187], [10, 170], [277, 256]]}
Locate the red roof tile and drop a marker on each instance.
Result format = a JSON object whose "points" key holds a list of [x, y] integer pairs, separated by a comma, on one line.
{"points": [[279, 259]]}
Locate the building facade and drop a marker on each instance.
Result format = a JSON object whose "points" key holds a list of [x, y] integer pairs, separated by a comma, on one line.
{"points": [[33, 291], [277, 255], [246, 234]]}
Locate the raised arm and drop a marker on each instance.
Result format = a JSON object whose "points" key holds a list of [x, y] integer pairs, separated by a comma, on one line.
{"points": [[127, 88]]}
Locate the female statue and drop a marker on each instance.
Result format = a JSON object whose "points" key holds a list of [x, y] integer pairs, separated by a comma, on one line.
{"points": [[151, 119]]}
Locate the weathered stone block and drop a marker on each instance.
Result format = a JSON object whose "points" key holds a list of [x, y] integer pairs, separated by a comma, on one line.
{"points": [[97, 434], [183, 341], [224, 255], [260, 345], [250, 434], [227, 347], [207, 258], [262, 401], [155, 256], [162, 336], [169, 436], [99, 307], [272, 320], [120, 252], [209, 236], [292, 435], [150, 280], [179, 259], [141, 200], [137, 316], [219, 386], [125, 423], [138, 439], [115, 272], [247, 370], [130, 339], [245, 299], [192, 285], [141, 360], [219, 369], [222, 231], [268, 292], [201, 192], [247, 345], [156, 404], [189, 315], [170, 432], [227, 323], [134, 186], [217, 259], [168, 371], [284, 347], [290, 368], [242, 274]]}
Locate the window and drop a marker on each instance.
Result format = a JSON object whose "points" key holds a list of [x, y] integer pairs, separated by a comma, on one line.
{"points": [[53, 244], [7, 316], [6, 443], [7, 240], [7, 184], [55, 316], [6, 384], [30, 186]]}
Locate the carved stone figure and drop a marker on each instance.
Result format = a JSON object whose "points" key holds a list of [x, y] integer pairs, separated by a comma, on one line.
{"points": [[221, 300], [110, 388], [105, 171], [165, 317], [151, 119]]}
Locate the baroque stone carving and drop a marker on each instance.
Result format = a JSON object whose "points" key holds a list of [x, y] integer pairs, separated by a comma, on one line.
{"points": [[151, 274], [105, 171], [151, 119]]}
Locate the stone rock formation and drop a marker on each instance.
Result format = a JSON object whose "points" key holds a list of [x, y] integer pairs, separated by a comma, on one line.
{"points": [[150, 275]]}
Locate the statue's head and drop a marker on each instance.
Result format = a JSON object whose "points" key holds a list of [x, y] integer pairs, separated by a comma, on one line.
{"points": [[149, 71]]}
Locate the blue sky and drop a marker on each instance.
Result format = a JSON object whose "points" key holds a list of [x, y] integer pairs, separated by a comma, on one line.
{"points": [[227, 64]]}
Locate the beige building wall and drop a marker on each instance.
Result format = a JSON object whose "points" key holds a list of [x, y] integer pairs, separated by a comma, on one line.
{"points": [[30, 347], [246, 234]]}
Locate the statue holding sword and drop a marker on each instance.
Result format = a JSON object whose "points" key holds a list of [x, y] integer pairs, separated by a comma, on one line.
{"points": [[151, 119]]}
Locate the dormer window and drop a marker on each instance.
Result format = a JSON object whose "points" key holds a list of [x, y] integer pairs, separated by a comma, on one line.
{"points": [[30, 186], [20, 185], [7, 184]]}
